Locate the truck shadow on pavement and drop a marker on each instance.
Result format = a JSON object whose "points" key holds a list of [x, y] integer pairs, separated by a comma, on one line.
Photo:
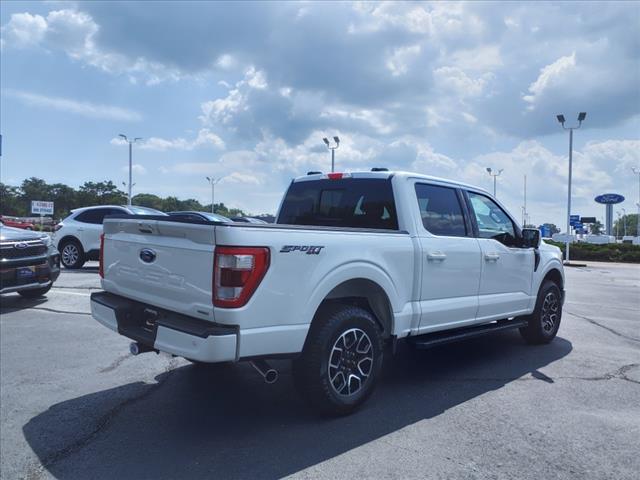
{"points": [[225, 422]]}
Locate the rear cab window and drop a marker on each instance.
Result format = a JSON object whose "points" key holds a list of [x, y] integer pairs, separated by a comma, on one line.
{"points": [[440, 210], [346, 202]]}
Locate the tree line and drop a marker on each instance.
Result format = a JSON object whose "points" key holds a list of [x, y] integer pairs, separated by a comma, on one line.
{"points": [[16, 201]]}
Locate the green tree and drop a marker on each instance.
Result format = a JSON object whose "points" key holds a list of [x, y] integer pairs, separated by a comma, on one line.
{"points": [[597, 228], [631, 221], [147, 200], [10, 201]]}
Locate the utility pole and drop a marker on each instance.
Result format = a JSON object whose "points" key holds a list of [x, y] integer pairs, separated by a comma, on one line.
{"points": [[636, 170], [495, 175], [213, 182], [130, 142], [333, 150], [524, 207], [581, 117]]}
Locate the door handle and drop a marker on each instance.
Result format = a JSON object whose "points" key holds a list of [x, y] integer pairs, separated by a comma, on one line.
{"points": [[81, 229], [491, 257], [436, 256]]}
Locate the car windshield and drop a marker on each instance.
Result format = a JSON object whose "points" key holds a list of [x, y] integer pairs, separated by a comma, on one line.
{"points": [[215, 217], [136, 210]]}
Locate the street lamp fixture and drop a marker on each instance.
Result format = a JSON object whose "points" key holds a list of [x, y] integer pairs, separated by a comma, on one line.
{"points": [[495, 175], [636, 171], [333, 150], [561, 119], [130, 142]]}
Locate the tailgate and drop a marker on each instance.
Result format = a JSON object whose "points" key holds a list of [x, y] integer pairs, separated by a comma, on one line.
{"points": [[168, 264]]}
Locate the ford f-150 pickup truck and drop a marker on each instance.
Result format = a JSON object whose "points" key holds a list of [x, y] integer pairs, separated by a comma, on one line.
{"points": [[355, 262]]}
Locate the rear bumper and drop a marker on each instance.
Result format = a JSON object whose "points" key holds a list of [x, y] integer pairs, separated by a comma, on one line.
{"points": [[166, 331]]}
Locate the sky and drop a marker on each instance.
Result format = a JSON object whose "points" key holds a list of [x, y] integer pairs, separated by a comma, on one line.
{"points": [[246, 91]]}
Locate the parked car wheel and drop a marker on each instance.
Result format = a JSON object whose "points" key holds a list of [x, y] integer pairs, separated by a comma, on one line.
{"points": [[544, 322], [35, 292], [71, 254], [341, 360]]}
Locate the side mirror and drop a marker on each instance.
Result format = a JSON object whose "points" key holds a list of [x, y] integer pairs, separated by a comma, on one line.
{"points": [[530, 238]]}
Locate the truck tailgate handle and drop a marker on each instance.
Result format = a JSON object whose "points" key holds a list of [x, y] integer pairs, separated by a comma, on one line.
{"points": [[491, 257], [436, 256]]}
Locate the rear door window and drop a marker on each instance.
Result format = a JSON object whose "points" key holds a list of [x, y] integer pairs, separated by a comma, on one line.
{"points": [[348, 202], [440, 210]]}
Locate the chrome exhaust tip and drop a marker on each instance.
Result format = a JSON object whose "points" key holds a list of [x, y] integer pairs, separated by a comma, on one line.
{"points": [[269, 374], [137, 348]]}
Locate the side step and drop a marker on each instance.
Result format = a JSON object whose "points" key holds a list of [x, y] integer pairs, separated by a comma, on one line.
{"points": [[447, 336]]}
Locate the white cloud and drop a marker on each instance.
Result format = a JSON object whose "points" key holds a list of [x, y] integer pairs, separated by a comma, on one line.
{"points": [[550, 76], [205, 137], [86, 109], [24, 30], [135, 168]]}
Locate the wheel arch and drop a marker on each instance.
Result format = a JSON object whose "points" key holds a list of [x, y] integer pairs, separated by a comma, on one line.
{"points": [[364, 293], [69, 238]]}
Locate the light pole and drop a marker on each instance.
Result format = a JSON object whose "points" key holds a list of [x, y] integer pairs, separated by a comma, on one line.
{"points": [[213, 182], [130, 142], [495, 175], [333, 150], [581, 117], [618, 225], [636, 170], [624, 220]]}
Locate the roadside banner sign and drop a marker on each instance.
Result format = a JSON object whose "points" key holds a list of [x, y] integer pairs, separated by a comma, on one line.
{"points": [[41, 208], [574, 218], [588, 219]]}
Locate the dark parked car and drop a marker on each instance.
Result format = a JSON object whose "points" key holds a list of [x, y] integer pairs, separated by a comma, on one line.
{"points": [[194, 215], [29, 262]]}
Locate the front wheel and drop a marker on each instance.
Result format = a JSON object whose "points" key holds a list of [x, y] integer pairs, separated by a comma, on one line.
{"points": [[72, 255], [341, 361], [544, 322]]}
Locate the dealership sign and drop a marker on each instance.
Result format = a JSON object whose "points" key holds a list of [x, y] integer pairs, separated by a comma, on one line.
{"points": [[609, 198], [41, 208]]}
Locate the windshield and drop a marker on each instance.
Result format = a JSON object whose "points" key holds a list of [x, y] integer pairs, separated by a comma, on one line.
{"points": [[144, 210]]}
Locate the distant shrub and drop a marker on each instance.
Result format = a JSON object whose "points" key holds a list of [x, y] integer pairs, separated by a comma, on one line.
{"points": [[610, 252]]}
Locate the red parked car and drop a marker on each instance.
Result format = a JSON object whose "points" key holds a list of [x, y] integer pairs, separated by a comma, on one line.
{"points": [[15, 223]]}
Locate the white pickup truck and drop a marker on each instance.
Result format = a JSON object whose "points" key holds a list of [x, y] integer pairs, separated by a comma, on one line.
{"points": [[354, 262]]}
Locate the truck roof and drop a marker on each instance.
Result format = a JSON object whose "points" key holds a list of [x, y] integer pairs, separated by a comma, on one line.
{"points": [[388, 174]]}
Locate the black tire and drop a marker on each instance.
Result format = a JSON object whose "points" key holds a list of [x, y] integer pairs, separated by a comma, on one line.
{"points": [[71, 254], [544, 322], [349, 339], [35, 292]]}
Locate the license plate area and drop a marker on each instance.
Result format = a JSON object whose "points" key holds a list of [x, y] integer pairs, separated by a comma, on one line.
{"points": [[25, 274]]}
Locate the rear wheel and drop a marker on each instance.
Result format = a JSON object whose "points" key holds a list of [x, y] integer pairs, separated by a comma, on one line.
{"points": [[72, 254], [341, 361], [544, 322], [35, 292]]}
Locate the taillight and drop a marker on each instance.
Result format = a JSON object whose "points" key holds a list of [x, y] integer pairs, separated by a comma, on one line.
{"points": [[101, 265], [237, 272]]}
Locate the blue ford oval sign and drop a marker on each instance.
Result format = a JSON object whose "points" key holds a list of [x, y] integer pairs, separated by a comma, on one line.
{"points": [[147, 255], [609, 198]]}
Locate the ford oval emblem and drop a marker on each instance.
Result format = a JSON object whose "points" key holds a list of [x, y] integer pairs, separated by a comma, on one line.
{"points": [[21, 245], [147, 255]]}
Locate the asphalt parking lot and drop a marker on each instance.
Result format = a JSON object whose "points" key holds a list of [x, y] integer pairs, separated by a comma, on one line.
{"points": [[75, 404]]}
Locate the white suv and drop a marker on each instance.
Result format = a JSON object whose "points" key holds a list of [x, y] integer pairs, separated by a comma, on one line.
{"points": [[77, 237]]}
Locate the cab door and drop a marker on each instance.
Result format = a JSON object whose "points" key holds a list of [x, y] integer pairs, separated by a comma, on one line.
{"points": [[507, 268], [450, 257]]}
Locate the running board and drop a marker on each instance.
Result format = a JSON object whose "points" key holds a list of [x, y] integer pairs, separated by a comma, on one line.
{"points": [[447, 336]]}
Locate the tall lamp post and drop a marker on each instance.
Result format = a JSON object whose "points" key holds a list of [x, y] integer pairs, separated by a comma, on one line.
{"points": [[213, 182], [130, 142], [581, 117], [624, 221], [636, 170], [495, 175], [333, 150]]}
